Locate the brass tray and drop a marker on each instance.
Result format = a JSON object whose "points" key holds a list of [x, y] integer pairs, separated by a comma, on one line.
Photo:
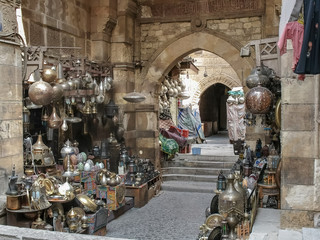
{"points": [[278, 113], [87, 202]]}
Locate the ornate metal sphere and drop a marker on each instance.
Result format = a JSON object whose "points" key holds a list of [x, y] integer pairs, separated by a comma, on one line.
{"points": [[259, 100], [40, 93]]}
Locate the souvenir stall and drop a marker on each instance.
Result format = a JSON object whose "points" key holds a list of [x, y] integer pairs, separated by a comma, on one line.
{"points": [[78, 172], [254, 180]]}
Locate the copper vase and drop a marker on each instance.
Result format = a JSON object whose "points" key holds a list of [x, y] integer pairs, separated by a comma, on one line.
{"points": [[54, 120]]}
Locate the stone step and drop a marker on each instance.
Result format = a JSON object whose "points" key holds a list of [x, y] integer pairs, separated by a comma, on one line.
{"points": [[185, 186], [193, 171], [188, 177], [206, 158], [198, 164]]}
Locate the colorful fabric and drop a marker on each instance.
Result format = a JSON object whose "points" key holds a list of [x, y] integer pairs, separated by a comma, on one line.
{"points": [[168, 146], [173, 133], [293, 31], [191, 121]]}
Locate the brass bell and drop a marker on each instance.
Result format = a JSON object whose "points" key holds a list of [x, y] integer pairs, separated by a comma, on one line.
{"points": [[54, 120]]}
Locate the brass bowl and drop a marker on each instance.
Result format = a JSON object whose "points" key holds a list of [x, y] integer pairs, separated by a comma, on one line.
{"points": [[87, 202]]}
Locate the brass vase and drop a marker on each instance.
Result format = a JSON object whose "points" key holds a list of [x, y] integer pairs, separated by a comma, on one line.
{"points": [[54, 120]]}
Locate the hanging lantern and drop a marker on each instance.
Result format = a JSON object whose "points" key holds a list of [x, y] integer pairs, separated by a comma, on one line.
{"points": [[256, 77], [111, 109], [54, 120], [259, 100]]}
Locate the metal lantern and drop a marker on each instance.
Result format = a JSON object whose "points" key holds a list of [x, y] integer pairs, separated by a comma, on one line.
{"points": [[221, 182], [111, 109], [257, 77], [259, 100]]}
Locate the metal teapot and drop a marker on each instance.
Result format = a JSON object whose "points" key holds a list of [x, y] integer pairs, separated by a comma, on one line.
{"points": [[67, 149]]}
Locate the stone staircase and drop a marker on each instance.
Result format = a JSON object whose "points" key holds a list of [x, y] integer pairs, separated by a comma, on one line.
{"points": [[195, 173]]}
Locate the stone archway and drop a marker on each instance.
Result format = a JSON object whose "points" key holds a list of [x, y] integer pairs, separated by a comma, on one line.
{"points": [[207, 82], [161, 62]]}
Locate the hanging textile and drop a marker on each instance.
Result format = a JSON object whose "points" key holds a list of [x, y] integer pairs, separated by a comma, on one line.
{"points": [[186, 120], [309, 62], [293, 31], [235, 121]]}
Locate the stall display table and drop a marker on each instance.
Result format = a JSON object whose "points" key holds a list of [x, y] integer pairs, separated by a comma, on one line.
{"points": [[143, 193]]}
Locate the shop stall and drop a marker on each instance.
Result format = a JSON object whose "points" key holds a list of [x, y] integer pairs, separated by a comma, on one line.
{"points": [[78, 173]]}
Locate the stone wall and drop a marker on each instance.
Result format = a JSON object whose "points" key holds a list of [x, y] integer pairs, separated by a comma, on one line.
{"points": [[157, 35], [300, 147], [58, 23], [11, 133]]}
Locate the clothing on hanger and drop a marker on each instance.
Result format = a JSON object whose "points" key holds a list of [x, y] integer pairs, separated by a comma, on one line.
{"points": [[309, 61]]}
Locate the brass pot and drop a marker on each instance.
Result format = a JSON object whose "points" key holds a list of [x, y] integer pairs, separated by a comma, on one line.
{"points": [[54, 120], [40, 93]]}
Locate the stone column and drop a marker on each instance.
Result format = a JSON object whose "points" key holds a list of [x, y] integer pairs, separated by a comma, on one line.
{"points": [[141, 119], [103, 21], [300, 151], [11, 132]]}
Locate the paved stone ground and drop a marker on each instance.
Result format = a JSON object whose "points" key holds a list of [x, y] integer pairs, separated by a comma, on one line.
{"points": [[168, 216]]}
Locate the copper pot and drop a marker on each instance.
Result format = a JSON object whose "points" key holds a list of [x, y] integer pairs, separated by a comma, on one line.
{"points": [[13, 202], [40, 93], [54, 120]]}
